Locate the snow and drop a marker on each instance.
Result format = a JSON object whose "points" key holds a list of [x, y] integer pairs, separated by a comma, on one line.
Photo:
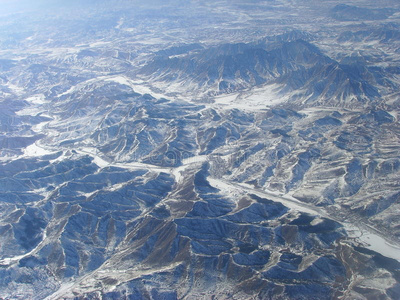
{"points": [[257, 98], [36, 150], [102, 163], [11, 260], [176, 172], [141, 166], [226, 99], [394, 114], [98, 44], [39, 127], [63, 291], [194, 159], [119, 79], [292, 203], [371, 240], [36, 99], [58, 159], [179, 171], [368, 236], [120, 23], [75, 88], [138, 86], [27, 112], [16, 89], [69, 91]]}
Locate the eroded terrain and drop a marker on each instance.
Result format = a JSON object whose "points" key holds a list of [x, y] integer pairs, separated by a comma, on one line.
{"points": [[241, 150]]}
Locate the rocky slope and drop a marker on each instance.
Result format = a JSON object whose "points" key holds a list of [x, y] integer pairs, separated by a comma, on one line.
{"points": [[239, 158]]}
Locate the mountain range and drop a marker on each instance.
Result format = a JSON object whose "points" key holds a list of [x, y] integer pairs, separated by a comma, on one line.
{"points": [[200, 150]]}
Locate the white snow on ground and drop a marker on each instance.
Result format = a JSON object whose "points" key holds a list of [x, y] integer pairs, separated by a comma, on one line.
{"points": [[120, 79], [138, 86], [372, 240], [194, 159], [257, 98], [120, 23], [98, 44], [35, 107], [16, 89], [91, 280], [260, 98], [176, 172], [394, 114], [65, 289], [28, 111], [71, 89], [368, 237], [37, 99], [35, 150], [179, 171], [234, 188], [102, 163], [9, 261], [39, 127], [128, 29], [141, 166], [227, 99]]}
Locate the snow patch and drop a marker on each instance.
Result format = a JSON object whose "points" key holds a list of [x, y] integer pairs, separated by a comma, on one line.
{"points": [[288, 201], [38, 128], [35, 150], [257, 98], [11, 260], [98, 44], [16, 89], [120, 23], [36, 99], [373, 241], [120, 79], [138, 86], [179, 171], [368, 236]]}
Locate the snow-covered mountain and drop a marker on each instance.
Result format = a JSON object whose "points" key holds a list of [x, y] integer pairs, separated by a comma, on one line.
{"points": [[296, 65], [200, 150]]}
